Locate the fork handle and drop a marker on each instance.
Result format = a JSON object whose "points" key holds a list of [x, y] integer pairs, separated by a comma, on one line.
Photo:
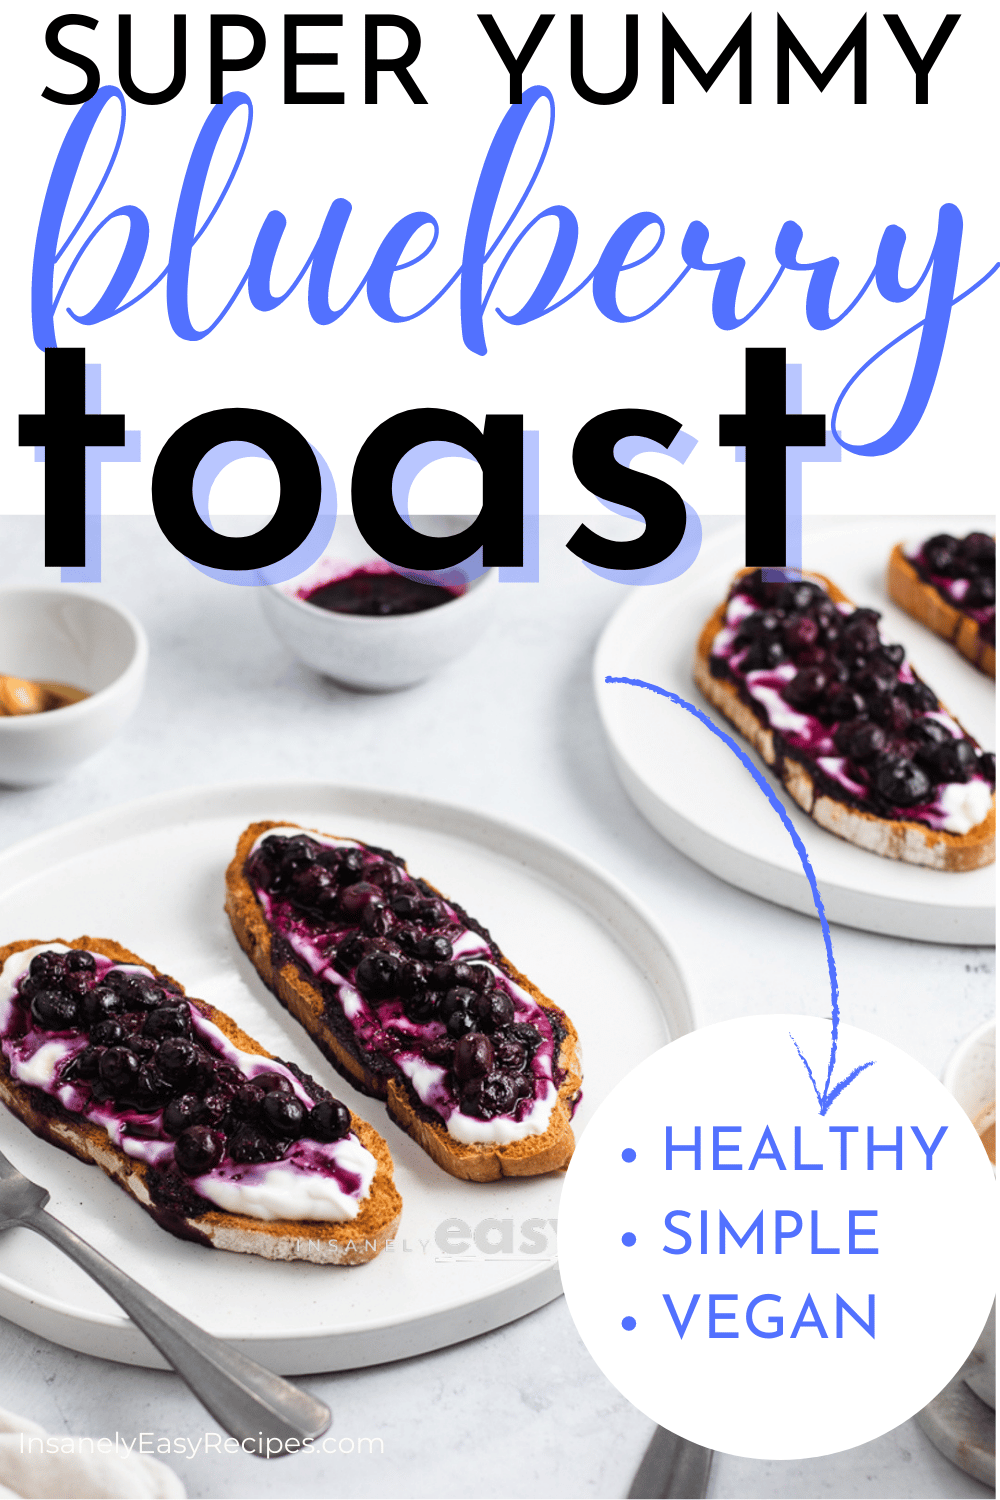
{"points": [[250, 1402]]}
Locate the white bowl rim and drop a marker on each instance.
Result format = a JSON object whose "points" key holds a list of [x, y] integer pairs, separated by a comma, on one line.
{"points": [[136, 664], [365, 622]]}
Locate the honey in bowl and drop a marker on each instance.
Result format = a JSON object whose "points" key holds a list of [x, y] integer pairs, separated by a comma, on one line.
{"points": [[20, 695], [986, 1125]]}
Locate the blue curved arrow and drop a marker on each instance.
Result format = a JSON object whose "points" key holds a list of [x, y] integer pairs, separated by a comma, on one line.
{"points": [[826, 1098]]}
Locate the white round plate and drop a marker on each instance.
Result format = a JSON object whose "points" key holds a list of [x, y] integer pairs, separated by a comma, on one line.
{"points": [[150, 874], [689, 785]]}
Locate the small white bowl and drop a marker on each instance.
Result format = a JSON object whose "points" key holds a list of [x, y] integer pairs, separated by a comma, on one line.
{"points": [[67, 634], [376, 653]]}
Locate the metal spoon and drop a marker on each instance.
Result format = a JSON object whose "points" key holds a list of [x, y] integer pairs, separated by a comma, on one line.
{"points": [[248, 1401], [672, 1467]]}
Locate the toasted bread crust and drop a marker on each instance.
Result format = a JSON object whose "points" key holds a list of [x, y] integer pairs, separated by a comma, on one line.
{"points": [[485, 1162], [344, 1244], [922, 600], [910, 842]]}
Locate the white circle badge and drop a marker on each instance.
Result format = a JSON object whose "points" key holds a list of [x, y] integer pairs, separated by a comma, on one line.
{"points": [[766, 1279]]}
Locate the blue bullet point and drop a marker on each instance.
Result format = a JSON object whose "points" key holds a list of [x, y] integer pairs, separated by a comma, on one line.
{"points": [[628, 1238], [628, 1324], [628, 1154]]}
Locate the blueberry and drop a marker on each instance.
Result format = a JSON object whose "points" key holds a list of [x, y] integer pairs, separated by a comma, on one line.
{"points": [[843, 704], [213, 1108], [354, 898], [412, 978], [859, 740], [198, 1150], [955, 760], [799, 596], [806, 687], [109, 1033], [119, 1067], [444, 976], [79, 961], [473, 1056], [350, 953], [328, 1121], [144, 994], [981, 591], [891, 711], [800, 632], [901, 782], [432, 914], [893, 655], [76, 985], [249, 1145], [148, 1089], [376, 918], [940, 552], [406, 903], [480, 977], [978, 552], [493, 1009], [510, 1056], [181, 1112], [248, 1101], [167, 1020], [441, 1050], [436, 949], [527, 1034], [274, 1083], [460, 1022], [763, 655], [459, 997], [919, 696], [766, 622], [46, 965], [927, 735], [177, 1057], [351, 867], [421, 1005], [988, 766], [377, 975], [285, 1114], [486, 1097], [860, 635], [85, 1064], [522, 1085], [54, 1011]]}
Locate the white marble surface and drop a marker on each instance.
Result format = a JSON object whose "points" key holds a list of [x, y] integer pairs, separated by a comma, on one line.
{"points": [[512, 729]]}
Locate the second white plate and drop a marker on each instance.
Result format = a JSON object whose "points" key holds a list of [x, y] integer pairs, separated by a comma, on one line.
{"points": [[691, 788]]}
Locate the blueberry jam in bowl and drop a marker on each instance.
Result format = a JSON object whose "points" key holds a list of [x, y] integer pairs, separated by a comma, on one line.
{"points": [[358, 620]]}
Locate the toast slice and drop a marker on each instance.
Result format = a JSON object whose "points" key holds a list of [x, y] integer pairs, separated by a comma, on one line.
{"points": [[409, 998], [859, 741], [950, 586], [184, 1118]]}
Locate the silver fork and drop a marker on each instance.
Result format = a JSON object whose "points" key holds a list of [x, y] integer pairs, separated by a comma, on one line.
{"points": [[244, 1398]]}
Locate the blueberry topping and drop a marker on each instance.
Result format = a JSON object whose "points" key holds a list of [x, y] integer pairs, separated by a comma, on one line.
{"points": [[181, 1112], [85, 1064], [148, 1089], [901, 782], [493, 1009], [940, 553], [919, 696], [435, 948], [176, 1057], [329, 1120], [351, 867], [249, 1145], [460, 1022], [118, 1069], [378, 975], [54, 1011], [473, 1056], [350, 953], [842, 703], [510, 1056], [376, 919], [988, 766], [167, 1020], [109, 1033], [387, 875], [955, 760], [412, 978], [891, 711], [354, 898], [421, 1006], [486, 1097], [528, 1035], [859, 740], [806, 687], [198, 1150], [46, 965], [79, 961], [441, 1050], [458, 998], [284, 1114], [763, 655], [981, 592]]}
